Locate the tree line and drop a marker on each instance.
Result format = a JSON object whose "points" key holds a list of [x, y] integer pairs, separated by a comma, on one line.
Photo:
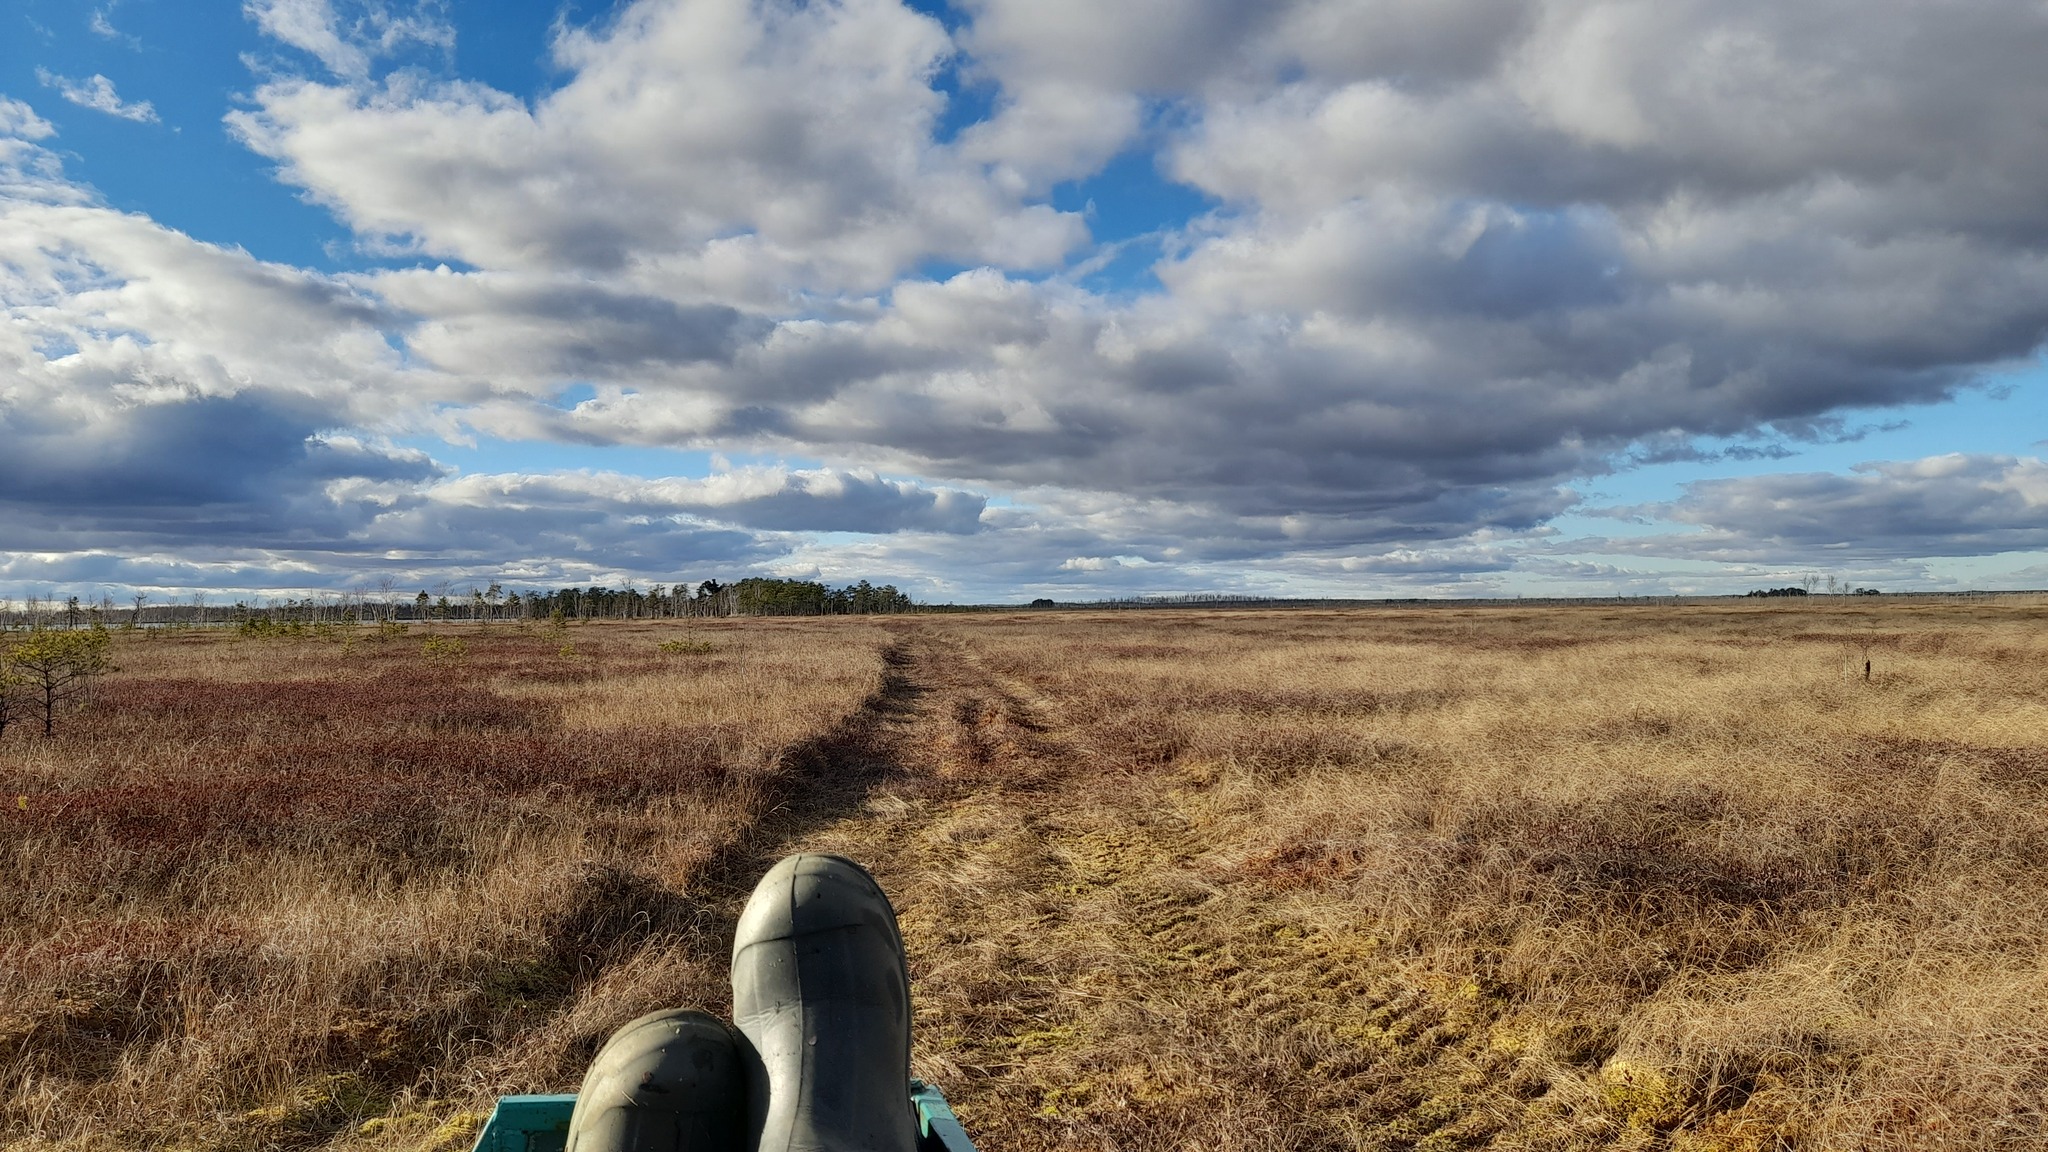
{"points": [[754, 596]]}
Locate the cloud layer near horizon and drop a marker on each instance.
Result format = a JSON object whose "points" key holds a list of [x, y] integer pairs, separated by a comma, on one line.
{"points": [[1461, 254]]}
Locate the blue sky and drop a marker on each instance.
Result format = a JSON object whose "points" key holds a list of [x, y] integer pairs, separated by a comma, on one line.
{"points": [[195, 63], [1004, 299], [183, 170]]}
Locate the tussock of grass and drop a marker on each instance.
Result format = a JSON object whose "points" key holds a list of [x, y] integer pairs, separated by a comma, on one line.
{"points": [[681, 647]]}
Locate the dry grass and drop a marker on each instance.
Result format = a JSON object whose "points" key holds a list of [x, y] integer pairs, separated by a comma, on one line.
{"points": [[1444, 878], [1433, 878], [267, 892]]}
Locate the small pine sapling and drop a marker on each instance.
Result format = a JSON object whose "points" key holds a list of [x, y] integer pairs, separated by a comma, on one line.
{"points": [[59, 666]]}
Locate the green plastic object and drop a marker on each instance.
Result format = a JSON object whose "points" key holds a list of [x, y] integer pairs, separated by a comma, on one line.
{"points": [[528, 1124], [541, 1123], [938, 1130]]}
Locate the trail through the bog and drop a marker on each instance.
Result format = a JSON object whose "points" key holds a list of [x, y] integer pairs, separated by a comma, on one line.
{"points": [[1089, 970]]}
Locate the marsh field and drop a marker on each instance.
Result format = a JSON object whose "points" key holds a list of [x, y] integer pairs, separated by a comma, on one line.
{"points": [[1435, 877]]}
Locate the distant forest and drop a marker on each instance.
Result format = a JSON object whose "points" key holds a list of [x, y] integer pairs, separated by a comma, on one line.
{"points": [[754, 596]]}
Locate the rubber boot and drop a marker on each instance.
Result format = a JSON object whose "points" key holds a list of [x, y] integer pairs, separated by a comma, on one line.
{"points": [[671, 1081], [820, 987]]}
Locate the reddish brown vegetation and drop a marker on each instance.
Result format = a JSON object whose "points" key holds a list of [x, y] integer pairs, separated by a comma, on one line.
{"points": [[279, 889]]}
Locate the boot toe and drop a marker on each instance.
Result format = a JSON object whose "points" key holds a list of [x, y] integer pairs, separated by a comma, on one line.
{"points": [[812, 892], [672, 1081]]}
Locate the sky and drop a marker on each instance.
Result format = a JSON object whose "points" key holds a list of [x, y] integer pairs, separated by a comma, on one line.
{"points": [[1001, 299]]}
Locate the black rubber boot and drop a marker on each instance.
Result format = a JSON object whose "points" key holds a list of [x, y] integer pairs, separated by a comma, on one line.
{"points": [[820, 987], [672, 1081]]}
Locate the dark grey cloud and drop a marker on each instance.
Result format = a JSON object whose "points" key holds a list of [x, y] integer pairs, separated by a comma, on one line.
{"points": [[545, 329], [172, 472], [200, 452], [852, 503], [395, 513]]}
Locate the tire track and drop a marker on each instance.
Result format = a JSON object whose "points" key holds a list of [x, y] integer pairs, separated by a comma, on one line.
{"points": [[1085, 975]]}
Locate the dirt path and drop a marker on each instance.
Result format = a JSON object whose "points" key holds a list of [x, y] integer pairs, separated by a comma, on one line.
{"points": [[1091, 970]]}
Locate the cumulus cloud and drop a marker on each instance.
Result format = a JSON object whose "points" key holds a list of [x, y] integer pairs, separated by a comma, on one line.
{"points": [[169, 412], [745, 152], [1509, 245], [97, 93], [1468, 252]]}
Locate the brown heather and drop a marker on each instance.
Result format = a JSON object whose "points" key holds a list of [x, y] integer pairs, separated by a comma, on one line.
{"points": [[1432, 878]]}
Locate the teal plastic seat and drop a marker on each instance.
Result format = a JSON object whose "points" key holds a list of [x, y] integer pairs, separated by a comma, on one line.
{"points": [[541, 1123]]}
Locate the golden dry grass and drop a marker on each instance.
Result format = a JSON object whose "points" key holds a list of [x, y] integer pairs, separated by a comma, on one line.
{"points": [[1592, 876], [1444, 878]]}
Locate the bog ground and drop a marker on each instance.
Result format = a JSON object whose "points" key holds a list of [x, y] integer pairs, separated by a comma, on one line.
{"points": [[1439, 877]]}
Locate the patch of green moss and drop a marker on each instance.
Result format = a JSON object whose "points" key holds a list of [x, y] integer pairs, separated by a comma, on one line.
{"points": [[319, 1107], [1641, 1096]]}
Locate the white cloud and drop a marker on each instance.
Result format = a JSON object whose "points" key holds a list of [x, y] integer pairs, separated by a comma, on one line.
{"points": [[97, 93], [164, 396], [347, 42], [1402, 322], [309, 25], [768, 498], [712, 149], [1047, 132], [1469, 251], [20, 121]]}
